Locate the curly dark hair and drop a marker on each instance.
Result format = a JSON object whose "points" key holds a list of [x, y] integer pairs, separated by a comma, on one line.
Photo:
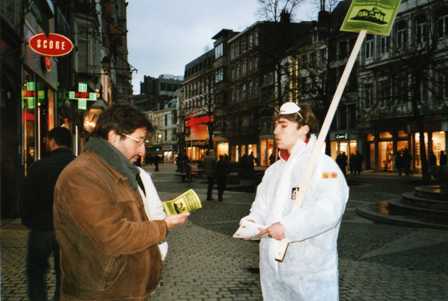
{"points": [[122, 118]]}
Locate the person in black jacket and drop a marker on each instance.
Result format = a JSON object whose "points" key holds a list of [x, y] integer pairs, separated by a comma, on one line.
{"points": [[222, 169], [37, 212]]}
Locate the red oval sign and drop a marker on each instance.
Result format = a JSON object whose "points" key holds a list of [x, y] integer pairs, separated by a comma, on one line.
{"points": [[52, 45]]}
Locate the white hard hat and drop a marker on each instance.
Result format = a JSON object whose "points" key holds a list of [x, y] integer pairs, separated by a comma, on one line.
{"points": [[289, 108]]}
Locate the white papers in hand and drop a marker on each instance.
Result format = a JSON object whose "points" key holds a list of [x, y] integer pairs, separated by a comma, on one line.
{"points": [[248, 230]]}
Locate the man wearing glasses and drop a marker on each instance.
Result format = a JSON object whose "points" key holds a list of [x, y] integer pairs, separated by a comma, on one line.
{"points": [[109, 248]]}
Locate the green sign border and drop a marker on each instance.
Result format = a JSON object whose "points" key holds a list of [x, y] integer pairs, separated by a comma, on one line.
{"points": [[387, 7]]}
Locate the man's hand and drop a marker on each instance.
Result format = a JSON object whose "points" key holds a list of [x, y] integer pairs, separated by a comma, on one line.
{"points": [[173, 221], [276, 231]]}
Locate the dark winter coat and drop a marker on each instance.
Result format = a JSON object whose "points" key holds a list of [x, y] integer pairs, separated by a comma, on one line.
{"points": [[37, 201]]}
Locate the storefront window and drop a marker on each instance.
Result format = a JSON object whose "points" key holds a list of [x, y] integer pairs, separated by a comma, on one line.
{"points": [[372, 155], [402, 134], [353, 147], [386, 155], [266, 149], [222, 149], [385, 135], [418, 162], [438, 143], [402, 145], [252, 149]]}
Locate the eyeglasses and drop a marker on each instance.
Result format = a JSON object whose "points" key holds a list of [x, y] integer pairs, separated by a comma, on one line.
{"points": [[137, 140]]}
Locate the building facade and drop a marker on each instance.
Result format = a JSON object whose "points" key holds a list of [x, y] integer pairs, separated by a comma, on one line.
{"points": [[164, 139], [403, 87], [198, 105], [155, 93], [39, 93]]}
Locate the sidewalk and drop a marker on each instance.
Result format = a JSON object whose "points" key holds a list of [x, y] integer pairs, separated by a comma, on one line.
{"points": [[377, 262]]}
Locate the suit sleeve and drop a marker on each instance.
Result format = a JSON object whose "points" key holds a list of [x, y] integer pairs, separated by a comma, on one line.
{"points": [[86, 203], [321, 213]]}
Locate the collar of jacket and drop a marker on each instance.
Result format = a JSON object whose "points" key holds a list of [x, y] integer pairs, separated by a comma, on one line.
{"points": [[114, 158], [299, 148]]}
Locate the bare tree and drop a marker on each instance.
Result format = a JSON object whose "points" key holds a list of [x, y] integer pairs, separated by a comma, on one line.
{"points": [[270, 10]]}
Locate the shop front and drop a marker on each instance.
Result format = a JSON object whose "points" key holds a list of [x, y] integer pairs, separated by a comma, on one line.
{"points": [[384, 147], [343, 142], [197, 136], [38, 111]]}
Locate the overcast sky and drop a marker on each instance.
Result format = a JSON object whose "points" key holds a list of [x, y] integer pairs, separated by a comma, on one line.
{"points": [[164, 35]]}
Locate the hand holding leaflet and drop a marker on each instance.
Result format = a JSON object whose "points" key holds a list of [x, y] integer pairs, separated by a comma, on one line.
{"points": [[186, 202], [249, 230]]}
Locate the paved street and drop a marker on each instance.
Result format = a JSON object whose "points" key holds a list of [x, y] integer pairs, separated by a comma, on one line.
{"points": [[377, 262]]}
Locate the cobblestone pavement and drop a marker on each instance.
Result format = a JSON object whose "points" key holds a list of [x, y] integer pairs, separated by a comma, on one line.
{"points": [[377, 262]]}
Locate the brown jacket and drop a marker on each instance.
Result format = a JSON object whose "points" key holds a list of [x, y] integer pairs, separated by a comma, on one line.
{"points": [[108, 247]]}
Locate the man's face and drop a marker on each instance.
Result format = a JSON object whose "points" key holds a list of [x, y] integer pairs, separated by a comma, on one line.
{"points": [[132, 146], [286, 133]]}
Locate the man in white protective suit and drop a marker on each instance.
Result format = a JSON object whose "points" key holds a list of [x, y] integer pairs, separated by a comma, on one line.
{"points": [[309, 271]]}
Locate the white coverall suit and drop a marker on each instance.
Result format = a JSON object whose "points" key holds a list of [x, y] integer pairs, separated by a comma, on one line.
{"points": [[309, 271]]}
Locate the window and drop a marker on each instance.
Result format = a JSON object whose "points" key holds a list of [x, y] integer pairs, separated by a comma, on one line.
{"points": [[368, 95], [421, 30], [83, 48], [444, 86], [369, 47], [442, 26], [219, 51], [402, 88], [313, 59], [352, 116], [402, 35], [342, 53], [219, 75], [304, 60], [323, 55], [383, 45], [383, 92]]}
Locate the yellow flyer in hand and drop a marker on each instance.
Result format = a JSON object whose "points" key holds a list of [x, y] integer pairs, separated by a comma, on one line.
{"points": [[186, 202]]}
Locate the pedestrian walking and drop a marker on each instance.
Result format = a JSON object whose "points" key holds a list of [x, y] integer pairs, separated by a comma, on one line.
{"points": [[210, 170], [400, 162], [358, 162], [341, 160], [222, 169], [309, 270], [432, 164], [407, 159], [442, 158], [109, 248], [352, 163], [37, 213]]}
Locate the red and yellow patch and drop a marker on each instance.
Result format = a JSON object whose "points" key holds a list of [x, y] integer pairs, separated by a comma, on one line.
{"points": [[329, 175]]}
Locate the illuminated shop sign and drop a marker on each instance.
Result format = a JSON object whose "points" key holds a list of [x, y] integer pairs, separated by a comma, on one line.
{"points": [[53, 44], [192, 121]]}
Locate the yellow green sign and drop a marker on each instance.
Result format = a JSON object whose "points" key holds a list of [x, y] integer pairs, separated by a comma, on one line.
{"points": [[376, 17]]}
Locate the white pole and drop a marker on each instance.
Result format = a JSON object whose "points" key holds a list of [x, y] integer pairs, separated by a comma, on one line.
{"points": [[323, 133]]}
